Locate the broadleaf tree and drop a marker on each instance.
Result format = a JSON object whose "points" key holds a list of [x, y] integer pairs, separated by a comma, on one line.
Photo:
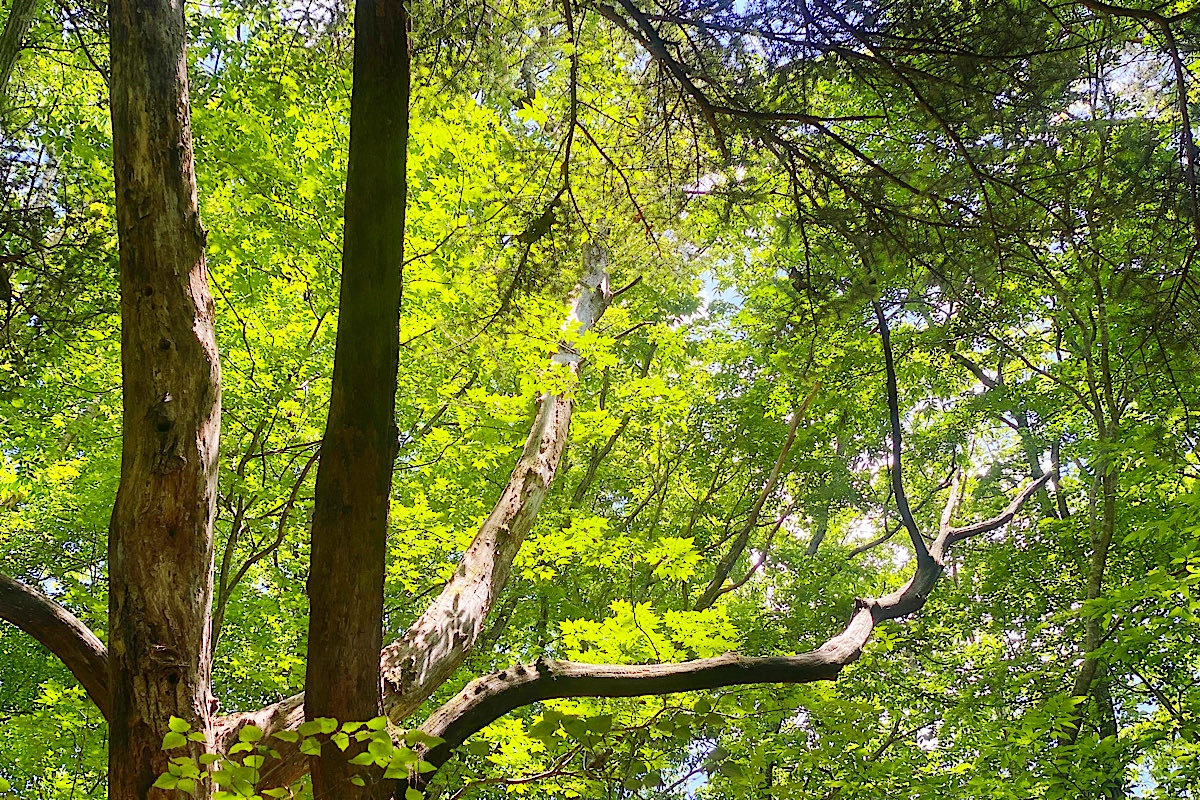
{"points": [[598, 399]]}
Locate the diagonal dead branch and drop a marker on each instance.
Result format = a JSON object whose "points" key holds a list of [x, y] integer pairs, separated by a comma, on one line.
{"points": [[437, 643]]}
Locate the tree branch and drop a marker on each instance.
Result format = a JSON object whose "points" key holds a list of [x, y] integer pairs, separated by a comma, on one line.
{"points": [[62, 633], [893, 401], [436, 644], [955, 535], [488, 698], [725, 566]]}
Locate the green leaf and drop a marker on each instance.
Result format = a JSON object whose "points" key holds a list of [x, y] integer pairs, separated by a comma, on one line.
{"points": [[478, 747], [412, 794], [732, 770], [250, 734], [178, 725], [309, 728], [543, 729], [165, 782], [601, 724], [173, 740], [419, 737]]}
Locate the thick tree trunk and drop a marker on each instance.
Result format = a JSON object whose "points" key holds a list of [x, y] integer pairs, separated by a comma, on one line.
{"points": [[354, 478], [160, 542]]}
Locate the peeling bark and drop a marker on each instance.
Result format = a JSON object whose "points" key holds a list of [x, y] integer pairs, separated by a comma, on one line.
{"points": [[439, 641], [160, 552], [437, 644]]}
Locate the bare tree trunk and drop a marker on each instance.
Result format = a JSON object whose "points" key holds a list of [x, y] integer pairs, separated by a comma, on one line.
{"points": [[161, 536], [354, 477]]}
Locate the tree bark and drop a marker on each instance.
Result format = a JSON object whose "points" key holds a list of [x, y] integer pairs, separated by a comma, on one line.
{"points": [[161, 535], [12, 39], [354, 477], [439, 641]]}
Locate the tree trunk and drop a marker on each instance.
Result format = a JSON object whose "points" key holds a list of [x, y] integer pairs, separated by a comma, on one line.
{"points": [[12, 39], [160, 541], [354, 477]]}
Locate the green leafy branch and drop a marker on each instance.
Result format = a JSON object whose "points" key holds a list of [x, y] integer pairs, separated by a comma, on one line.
{"points": [[236, 774]]}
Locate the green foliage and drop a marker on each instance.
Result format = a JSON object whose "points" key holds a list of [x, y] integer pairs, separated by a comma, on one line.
{"points": [[1047, 243], [393, 753]]}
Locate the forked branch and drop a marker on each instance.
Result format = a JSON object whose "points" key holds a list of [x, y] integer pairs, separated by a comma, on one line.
{"points": [[416, 664], [488, 698], [436, 645]]}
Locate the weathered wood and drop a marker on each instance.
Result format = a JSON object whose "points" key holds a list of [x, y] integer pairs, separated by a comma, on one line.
{"points": [[440, 640], [161, 534], [451, 631]]}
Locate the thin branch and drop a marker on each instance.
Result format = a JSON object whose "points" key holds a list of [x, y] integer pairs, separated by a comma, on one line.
{"points": [[713, 590], [893, 401]]}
